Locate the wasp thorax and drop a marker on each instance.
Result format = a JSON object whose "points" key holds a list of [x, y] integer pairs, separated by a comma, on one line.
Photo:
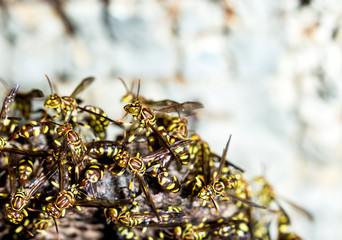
{"points": [[18, 202], [93, 175], [64, 128], [64, 201], [207, 193], [218, 187], [122, 159], [14, 216], [53, 210], [136, 165]]}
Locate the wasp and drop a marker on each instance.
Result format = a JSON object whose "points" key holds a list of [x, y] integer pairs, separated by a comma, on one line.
{"points": [[267, 196], [43, 221], [284, 227], [73, 143], [92, 174], [169, 182], [32, 129], [64, 200], [130, 96], [164, 155], [222, 228], [183, 156], [170, 217], [146, 119], [172, 128], [202, 159], [158, 162], [66, 105], [73, 140], [166, 180], [193, 232], [65, 197], [137, 167], [98, 120], [231, 229], [25, 169], [112, 214], [176, 126], [19, 198], [103, 150], [10, 125], [126, 233], [23, 101], [209, 190], [155, 165]]}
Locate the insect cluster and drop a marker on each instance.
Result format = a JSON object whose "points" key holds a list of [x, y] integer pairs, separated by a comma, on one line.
{"points": [[156, 180]]}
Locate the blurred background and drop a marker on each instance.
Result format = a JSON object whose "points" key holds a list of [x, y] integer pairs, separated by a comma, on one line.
{"points": [[268, 72]]}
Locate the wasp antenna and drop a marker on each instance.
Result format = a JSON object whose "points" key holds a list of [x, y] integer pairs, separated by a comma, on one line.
{"points": [[34, 210], [132, 87], [223, 158], [124, 83], [28, 231], [49, 121], [138, 90], [124, 138], [56, 228], [214, 203], [49, 83]]}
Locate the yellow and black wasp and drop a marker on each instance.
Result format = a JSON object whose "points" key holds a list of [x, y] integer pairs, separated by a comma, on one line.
{"points": [[266, 195], [130, 96], [155, 165], [158, 162], [97, 120], [138, 168], [23, 102], [145, 119], [67, 192], [207, 189], [15, 210], [170, 217], [104, 151], [66, 105]]}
